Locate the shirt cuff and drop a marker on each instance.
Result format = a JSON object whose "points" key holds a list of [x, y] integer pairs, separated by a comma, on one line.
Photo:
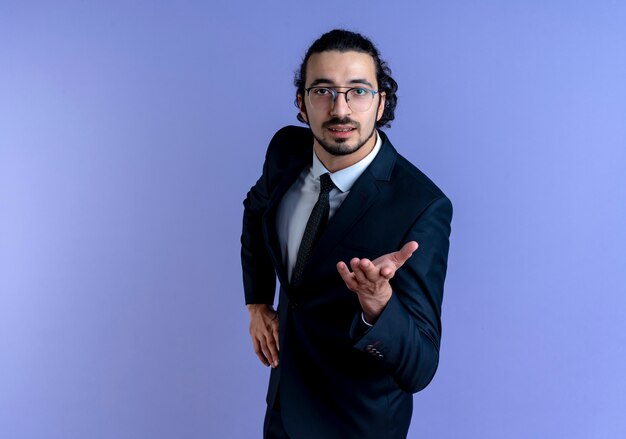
{"points": [[365, 321]]}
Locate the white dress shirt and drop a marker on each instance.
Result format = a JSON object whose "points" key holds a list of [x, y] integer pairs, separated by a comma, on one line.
{"points": [[297, 204]]}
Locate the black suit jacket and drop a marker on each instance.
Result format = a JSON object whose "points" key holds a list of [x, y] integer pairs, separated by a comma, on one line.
{"points": [[336, 378]]}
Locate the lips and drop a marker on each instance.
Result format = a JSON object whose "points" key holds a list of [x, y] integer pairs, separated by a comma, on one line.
{"points": [[341, 128]]}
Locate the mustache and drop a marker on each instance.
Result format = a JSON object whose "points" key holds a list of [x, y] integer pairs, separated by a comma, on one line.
{"points": [[337, 121]]}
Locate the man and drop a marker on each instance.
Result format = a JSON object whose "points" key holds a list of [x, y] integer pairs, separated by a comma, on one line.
{"points": [[358, 238]]}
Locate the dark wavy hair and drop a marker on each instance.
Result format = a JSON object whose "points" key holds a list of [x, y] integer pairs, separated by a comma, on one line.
{"points": [[345, 41]]}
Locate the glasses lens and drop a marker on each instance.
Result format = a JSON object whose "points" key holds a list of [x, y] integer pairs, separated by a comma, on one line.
{"points": [[359, 99], [322, 98]]}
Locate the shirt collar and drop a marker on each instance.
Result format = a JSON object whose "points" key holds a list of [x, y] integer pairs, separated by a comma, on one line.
{"points": [[345, 178]]}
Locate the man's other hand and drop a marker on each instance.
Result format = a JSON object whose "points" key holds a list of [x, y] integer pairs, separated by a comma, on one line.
{"points": [[370, 279], [264, 333]]}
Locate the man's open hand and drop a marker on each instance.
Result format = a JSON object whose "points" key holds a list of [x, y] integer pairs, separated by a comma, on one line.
{"points": [[264, 333], [370, 279]]}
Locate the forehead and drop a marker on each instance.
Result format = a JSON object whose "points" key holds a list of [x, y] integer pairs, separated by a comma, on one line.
{"points": [[340, 67]]}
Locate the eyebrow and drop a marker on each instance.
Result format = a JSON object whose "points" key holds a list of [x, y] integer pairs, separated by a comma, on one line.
{"points": [[352, 81]]}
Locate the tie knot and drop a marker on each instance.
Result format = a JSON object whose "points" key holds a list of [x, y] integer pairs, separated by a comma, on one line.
{"points": [[326, 184]]}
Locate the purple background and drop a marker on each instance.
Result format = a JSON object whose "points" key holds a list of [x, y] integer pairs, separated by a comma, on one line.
{"points": [[131, 131]]}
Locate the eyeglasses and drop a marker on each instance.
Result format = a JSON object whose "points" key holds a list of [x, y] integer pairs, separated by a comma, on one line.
{"points": [[323, 98]]}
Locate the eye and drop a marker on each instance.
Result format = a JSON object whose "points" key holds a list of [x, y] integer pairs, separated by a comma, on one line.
{"points": [[321, 91], [359, 91]]}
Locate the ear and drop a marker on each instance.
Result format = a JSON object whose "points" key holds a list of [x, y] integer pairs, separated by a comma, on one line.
{"points": [[302, 107], [381, 106]]}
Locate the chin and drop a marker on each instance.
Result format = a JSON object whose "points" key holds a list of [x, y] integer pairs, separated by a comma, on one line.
{"points": [[339, 147]]}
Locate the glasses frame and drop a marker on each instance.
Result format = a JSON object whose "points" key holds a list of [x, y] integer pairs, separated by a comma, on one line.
{"points": [[334, 92]]}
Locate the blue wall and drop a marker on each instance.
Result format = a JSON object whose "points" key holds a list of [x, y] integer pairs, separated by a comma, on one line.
{"points": [[131, 131]]}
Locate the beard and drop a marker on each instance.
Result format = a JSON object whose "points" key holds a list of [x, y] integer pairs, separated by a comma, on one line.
{"points": [[339, 147]]}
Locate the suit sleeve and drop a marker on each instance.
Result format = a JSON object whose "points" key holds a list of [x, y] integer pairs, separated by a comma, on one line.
{"points": [[406, 336], [259, 277]]}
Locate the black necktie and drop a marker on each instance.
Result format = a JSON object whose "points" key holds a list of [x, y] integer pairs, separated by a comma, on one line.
{"points": [[314, 227]]}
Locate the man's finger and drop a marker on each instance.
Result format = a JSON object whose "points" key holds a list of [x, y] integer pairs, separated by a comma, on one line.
{"points": [[275, 334], [271, 346], [343, 269], [267, 352], [402, 255], [262, 358], [387, 271], [369, 270], [346, 275], [259, 352], [358, 272]]}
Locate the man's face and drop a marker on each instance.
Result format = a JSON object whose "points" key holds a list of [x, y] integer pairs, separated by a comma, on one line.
{"points": [[337, 128]]}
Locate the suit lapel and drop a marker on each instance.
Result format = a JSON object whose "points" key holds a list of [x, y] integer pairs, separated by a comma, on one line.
{"points": [[361, 197], [356, 204]]}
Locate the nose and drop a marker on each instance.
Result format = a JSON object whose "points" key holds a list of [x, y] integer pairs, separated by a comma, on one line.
{"points": [[340, 105]]}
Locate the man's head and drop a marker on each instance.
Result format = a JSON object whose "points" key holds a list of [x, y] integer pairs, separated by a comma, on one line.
{"points": [[345, 41], [344, 91]]}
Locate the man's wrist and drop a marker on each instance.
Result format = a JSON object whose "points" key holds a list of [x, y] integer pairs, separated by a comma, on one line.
{"points": [[255, 307]]}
